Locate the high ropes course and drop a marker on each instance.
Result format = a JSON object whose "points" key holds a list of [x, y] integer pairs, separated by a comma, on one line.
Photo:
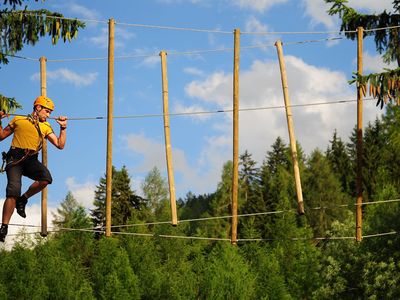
{"points": [[107, 230]]}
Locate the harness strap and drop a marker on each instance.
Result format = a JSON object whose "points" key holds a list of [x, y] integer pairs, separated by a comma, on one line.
{"points": [[28, 152], [35, 122]]}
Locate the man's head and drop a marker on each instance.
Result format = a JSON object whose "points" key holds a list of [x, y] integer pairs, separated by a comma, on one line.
{"points": [[43, 106]]}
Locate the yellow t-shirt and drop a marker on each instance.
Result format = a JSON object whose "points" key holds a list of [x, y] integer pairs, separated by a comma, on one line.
{"points": [[26, 135]]}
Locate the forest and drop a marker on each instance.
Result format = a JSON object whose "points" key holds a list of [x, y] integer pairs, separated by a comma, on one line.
{"points": [[279, 255]]}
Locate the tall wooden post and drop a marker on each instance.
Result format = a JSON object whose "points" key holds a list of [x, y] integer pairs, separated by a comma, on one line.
{"points": [[293, 147], [168, 152], [110, 109], [43, 92], [235, 170], [359, 191]]}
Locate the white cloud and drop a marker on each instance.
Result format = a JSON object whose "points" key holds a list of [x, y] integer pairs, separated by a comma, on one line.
{"points": [[79, 11], [371, 6], [317, 10], [254, 25], [212, 89], [193, 71], [180, 108], [257, 5], [192, 175], [375, 64], [66, 75], [121, 37], [314, 125], [32, 223], [83, 11], [260, 87], [82, 192]]}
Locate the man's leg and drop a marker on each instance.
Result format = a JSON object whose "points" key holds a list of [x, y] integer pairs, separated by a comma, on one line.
{"points": [[8, 209], [35, 188]]}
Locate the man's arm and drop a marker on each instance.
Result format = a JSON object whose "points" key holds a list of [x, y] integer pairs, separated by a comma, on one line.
{"points": [[6, 132], [59, 141]]}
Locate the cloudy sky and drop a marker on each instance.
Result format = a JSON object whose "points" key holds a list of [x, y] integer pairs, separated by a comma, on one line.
{"points": [[198, 37]]}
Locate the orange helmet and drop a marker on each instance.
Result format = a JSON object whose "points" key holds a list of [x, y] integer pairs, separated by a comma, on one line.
{"points": [[45, 102]]}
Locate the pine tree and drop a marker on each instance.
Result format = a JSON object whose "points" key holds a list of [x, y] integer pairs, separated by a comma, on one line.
{"points": [[382, 86], [323, 194], [340, 161], [250, 190], [124, 201], [113, 278], [373, 143], [77, 246], [19, 27], [227, 275], [155, 190]]}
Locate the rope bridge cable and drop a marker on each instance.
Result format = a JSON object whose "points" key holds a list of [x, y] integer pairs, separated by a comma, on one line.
{"points": [[98, 229], [189, 52], [202, 112], [202, 30], [154, 235]]}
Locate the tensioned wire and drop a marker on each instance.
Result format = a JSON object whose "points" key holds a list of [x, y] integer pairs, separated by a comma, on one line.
{"points": [[328, 238], [99, 230], [229, 216], [205, 112], [199, 29], [175, 53]]}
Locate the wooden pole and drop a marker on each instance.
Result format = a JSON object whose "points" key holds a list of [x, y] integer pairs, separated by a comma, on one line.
{"points": [[110, 100], [168, 152], [359, 190], [235, 168], [293, 147], [43, 92]]}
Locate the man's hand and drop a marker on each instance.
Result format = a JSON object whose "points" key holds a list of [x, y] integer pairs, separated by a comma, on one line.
{"points": [[62, 121], [3, 115]]}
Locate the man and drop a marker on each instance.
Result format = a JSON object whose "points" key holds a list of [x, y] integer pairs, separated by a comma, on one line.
{"points": [[22, 158]]}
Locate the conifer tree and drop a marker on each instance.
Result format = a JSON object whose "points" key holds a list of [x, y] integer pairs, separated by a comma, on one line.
{"points": [[113, 278], [384, 86], [340, 162], [323, 194], [77, 246], [155, 190], [19, 27], [124, 201]]}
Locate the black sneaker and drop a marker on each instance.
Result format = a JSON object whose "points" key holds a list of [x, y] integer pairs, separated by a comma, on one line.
{"points": [[20, 206], [3, 233]]}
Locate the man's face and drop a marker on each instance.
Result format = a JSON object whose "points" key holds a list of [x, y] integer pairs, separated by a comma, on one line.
{"points": [[43, 114]]}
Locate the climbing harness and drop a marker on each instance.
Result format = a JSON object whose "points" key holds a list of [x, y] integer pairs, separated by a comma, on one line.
{"points": [[8, 159]]}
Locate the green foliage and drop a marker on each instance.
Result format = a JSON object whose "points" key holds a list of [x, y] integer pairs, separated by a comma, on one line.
{"points": [[341, 163], [8, 105], [155, 190], [21, 27], [71, 215], [124, 202], [26, 27], [112, 276], [323, 194], [382, 86], [149, 261], [228, 276]]}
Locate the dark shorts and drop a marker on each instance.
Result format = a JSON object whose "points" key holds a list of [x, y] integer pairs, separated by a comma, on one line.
{"points": [[30, 167]]}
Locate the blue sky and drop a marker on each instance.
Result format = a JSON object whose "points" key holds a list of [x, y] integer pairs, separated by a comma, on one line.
{"points": [[198, 81]]}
